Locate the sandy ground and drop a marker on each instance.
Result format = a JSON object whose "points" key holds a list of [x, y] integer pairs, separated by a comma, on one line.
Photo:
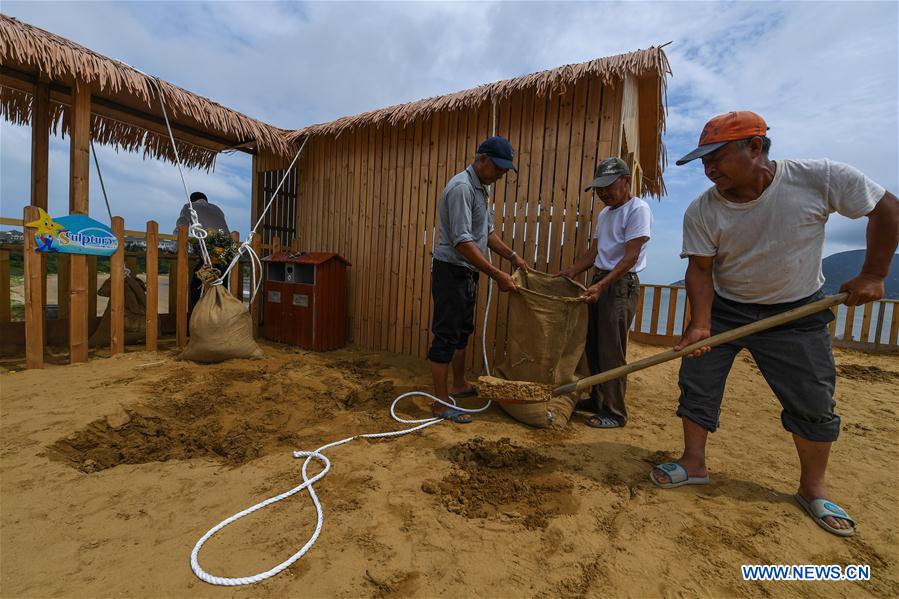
{"points": [[112, 470]]}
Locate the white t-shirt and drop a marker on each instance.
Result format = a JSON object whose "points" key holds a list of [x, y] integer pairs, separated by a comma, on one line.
{"points": [[615, 228], [768, 251]]}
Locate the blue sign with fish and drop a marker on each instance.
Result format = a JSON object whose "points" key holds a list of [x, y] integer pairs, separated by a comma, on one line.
{"points": [[73, 234]]}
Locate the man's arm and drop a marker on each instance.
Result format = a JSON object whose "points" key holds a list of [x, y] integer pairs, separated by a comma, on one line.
{"points": [[701, 293], [631, 255], [582, 263], [882, 238], [497, 245], [470, 250]]}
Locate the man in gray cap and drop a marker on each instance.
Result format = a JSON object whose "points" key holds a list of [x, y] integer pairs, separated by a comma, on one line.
{"points": [[617, 253], [466, 231]]}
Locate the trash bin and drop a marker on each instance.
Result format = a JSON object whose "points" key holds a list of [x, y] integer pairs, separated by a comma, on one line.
{"points": [[305, 299]]}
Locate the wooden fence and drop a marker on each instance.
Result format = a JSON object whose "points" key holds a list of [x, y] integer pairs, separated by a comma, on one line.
{"points": [[662, 311], [73, 327]]}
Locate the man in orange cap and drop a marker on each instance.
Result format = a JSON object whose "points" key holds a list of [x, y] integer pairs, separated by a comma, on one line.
{"points": [[754, 242]]}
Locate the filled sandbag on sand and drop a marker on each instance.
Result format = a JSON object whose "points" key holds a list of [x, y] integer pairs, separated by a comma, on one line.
{"points": [[220, 327], [135, 313]]}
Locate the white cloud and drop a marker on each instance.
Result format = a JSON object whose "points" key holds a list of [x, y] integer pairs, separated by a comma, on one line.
{"points": [[823, 74]]}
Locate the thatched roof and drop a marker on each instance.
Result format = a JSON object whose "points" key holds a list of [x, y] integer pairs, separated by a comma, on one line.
{"points": [[641, 63], [126, 110]]}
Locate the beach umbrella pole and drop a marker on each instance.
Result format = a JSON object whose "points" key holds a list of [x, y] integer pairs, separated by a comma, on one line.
{"points": [[726, 337]]}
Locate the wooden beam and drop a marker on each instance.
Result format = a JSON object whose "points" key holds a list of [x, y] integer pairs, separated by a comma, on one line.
{"points": [[152, 316], [117, 290], [255, 302], [79, 179], [92, 286], [62, 94], [181, 289], [234, 281], [5, 305], [40, 144], [79, 150], [34, 300]]}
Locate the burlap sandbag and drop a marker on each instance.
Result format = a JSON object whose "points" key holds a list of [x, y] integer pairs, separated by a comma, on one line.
{"points": [[220, 328], [135, 313], [547, 327]]}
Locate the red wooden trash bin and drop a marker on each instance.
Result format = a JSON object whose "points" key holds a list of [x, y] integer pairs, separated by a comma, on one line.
{"points": [[305, 299]]}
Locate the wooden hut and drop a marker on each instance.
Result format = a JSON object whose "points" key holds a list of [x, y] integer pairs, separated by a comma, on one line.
{"points": [[368, 186], [56, 85]]}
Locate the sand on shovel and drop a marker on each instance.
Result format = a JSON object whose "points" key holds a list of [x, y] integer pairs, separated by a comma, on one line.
{"points": [[501, 390]]}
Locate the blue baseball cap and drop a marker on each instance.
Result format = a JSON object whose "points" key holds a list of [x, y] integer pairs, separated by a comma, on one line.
{"points": [[499, 150]]}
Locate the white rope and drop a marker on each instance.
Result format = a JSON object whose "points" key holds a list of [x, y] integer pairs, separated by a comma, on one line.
{"points": [[245, 246], [308, 484], [102, 186], [195, 229]]}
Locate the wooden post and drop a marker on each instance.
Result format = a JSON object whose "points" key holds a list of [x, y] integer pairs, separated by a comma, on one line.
{"points": [[255, 303], [40, 144], [235, 272], [181, 289], [34, 301], [5, 305], [878, 330], [173, 277], [40, 157], [152, 285], [91, 288], [117, 290], [79, 178], [63, 285]]}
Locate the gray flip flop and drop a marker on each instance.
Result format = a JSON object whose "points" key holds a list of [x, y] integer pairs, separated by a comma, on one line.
{"points": [[820, 507], [678, 475]]}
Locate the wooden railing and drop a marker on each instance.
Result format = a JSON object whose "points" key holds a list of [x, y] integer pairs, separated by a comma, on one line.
{"points": [[662, 311], [37, 330]]}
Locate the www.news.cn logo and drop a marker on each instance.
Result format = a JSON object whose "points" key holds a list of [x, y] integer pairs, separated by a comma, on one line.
{"points": [[806, 572]]}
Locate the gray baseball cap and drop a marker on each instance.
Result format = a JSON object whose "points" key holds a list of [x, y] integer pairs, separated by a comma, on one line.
{"points": [[607, 172]]}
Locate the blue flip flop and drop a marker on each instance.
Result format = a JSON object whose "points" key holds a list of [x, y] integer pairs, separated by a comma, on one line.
{"points": [[473, 392], [454, 415], [602, 422]]}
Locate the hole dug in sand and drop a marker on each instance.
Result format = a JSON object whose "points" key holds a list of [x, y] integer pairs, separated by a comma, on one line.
{"points": [[228, 415], [500, 480]]}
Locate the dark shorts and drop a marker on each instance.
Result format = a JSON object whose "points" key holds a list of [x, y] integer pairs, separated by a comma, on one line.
{"points": [[795, 359], [454, 289]]}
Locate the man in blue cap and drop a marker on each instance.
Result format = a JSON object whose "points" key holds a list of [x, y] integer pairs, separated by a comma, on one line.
{"points": [[466, 231]]}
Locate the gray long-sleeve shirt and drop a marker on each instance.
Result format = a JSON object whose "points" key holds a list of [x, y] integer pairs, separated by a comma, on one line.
{"points": [[464, 216], [209, 215]]}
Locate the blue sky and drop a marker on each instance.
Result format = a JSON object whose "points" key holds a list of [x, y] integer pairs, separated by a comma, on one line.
{"points": [[823, 74]]}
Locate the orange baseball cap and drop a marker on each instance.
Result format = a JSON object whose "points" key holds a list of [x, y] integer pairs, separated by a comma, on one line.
{"points": [[726, 128]]}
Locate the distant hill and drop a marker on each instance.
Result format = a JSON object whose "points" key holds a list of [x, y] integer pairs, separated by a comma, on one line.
{"points": [[843, 266]]}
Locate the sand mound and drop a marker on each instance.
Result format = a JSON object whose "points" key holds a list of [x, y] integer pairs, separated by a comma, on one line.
{"points": [[112, 470], [498, 479]]}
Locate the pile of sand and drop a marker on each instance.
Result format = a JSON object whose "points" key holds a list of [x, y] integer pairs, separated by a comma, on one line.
{"points": [[112, 470]]}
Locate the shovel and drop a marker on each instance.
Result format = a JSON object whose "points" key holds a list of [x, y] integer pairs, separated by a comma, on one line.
{"points": [[726, 337]]}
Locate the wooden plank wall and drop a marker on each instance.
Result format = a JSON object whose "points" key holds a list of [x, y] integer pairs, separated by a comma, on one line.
{"points": [[372, 194]]}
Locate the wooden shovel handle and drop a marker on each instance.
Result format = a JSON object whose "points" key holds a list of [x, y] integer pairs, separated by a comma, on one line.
{"points": [[726, 337]]}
